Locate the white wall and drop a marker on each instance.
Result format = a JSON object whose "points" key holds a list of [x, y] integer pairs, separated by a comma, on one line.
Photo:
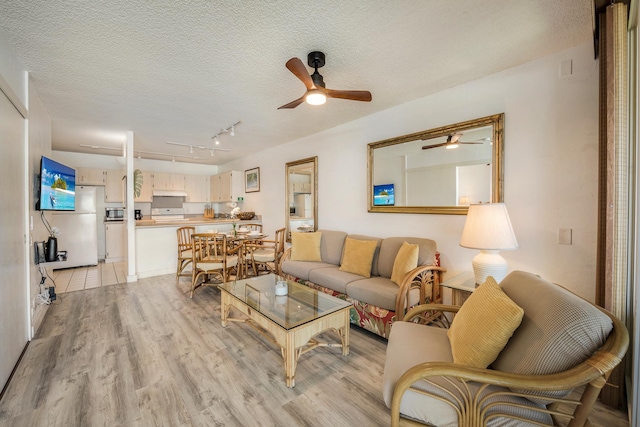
{"points": [[551, 127], [14, 314], [39, 145]]}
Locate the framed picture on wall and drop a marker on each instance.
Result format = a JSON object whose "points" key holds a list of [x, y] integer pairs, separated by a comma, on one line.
{"points": [[252, 180]]}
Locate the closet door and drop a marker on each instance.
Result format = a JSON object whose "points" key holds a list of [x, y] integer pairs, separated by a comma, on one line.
{"points": [[14, 313]]}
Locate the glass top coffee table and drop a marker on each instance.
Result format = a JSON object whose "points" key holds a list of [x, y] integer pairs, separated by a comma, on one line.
{"points": [[290, 321]]}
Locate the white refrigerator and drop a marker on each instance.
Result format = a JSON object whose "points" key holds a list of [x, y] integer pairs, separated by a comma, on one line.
{"points": [[303, 205], [78, 231]]}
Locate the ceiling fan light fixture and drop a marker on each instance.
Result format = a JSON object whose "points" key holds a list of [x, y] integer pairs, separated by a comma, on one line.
{"points": [[315, 97], [451, 146]]}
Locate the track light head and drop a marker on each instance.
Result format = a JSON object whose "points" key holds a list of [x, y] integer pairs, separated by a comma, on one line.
{"points": [[233, 130]]}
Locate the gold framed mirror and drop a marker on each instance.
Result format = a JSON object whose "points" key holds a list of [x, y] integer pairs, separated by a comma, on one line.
{"points": [[438, 171], [301, 210]]}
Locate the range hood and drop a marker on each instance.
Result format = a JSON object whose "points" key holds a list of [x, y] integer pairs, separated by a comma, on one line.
{"points": [[174, 193]]}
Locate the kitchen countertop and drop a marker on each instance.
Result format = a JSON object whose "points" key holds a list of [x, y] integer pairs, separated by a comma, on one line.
{"points": [[191, 221]]}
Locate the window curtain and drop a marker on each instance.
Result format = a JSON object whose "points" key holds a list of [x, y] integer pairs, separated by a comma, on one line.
{"points": [[612, 271]]}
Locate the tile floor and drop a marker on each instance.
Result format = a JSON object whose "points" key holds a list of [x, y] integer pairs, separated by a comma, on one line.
{"points": [[79, 278]]}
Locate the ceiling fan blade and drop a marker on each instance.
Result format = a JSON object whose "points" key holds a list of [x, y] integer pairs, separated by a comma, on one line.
{"points": [[426, 147], [462, 142], [354, 95], [296, 66], [293, 104]]}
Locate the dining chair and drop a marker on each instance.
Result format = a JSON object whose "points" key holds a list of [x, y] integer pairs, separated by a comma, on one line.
{"points": [[185, 255], [252, 227], [213, 256], [266, 255]]}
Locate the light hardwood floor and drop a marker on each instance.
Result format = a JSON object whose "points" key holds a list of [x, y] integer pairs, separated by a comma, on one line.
{"points": [[144, 354]]}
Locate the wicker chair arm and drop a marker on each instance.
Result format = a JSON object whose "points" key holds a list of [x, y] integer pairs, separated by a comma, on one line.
{"points": [[426, 278]]}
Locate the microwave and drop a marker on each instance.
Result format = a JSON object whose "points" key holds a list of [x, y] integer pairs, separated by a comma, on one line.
{"points": [[114, 214]]}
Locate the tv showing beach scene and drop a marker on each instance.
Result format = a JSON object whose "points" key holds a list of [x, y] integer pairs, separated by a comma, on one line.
{"points": [[383, 195], [57, 186]]}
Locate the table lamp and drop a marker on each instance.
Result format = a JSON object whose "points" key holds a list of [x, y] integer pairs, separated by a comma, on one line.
{"points": [[489, 229]]}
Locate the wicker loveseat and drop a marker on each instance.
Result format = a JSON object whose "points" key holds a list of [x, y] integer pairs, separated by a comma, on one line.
{"points": [[551, 369], [377, 301]]}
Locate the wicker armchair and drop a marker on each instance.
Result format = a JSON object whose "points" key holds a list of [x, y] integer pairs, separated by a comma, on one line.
{"points": [[437, 391]]}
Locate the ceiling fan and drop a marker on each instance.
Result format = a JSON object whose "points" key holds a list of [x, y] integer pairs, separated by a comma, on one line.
{"points": [[317, 93], [451, 142]]}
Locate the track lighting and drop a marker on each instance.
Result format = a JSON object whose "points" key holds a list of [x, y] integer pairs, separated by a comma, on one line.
{"points": [[212, 153], [139, 156], [230, 129], [191, 149], [217, 141]]}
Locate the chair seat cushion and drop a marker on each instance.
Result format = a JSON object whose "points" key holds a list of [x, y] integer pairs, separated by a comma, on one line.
{"points": [[264, 255], [232, 261], [411, 344], [186, 254]]}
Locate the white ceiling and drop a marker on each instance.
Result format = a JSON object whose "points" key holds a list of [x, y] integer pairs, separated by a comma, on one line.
{"points": [[182, 70]]}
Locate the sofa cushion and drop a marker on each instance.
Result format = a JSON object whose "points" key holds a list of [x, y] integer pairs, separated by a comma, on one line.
{"points": [[331, 246], [374, 262], [301, 269], [358, 256], [483, 325], [559, 329], [333, 278], [406, 260], [411, 344], [379, 291], [389, 249], [305, 246]]}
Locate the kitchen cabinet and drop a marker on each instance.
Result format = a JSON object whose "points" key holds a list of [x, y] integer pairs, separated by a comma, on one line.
{"points": [[227, 186], [197, 188], [301, 187], [146, 191], [168, 181], [88, 176], [115, 239], [114, 186]]}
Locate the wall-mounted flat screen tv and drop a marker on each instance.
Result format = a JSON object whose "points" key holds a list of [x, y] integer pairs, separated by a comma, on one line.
{"points": [[57, 186], [383, 195]]}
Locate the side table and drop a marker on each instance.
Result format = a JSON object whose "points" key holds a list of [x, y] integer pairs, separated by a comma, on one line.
{"points": [[461, 285]]}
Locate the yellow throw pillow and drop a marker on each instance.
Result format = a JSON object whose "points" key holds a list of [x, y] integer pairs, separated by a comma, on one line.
{"points": [[483, 325], [358, 256], [406, 260], [306, 246]]}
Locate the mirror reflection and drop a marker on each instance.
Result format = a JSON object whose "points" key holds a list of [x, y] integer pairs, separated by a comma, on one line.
{"points": [[301, 201], [441, 170]]}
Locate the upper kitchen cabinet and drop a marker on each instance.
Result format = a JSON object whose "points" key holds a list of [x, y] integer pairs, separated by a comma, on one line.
{"points": [[88, 176], [168, 181], [114, 186], [227, 186], [146, 191], [197, 188]]}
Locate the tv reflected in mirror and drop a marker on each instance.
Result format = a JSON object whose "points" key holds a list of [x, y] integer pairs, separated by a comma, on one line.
{"points": [[383, 195]]}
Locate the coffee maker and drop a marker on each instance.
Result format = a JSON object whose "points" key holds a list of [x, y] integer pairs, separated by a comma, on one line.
{"points": [[138, 214]]}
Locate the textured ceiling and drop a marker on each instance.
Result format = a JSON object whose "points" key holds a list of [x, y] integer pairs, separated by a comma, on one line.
{"points": [[181, 71]]}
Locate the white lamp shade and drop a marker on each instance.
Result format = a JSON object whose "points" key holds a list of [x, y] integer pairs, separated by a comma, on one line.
{"points": [[488, 227]]}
